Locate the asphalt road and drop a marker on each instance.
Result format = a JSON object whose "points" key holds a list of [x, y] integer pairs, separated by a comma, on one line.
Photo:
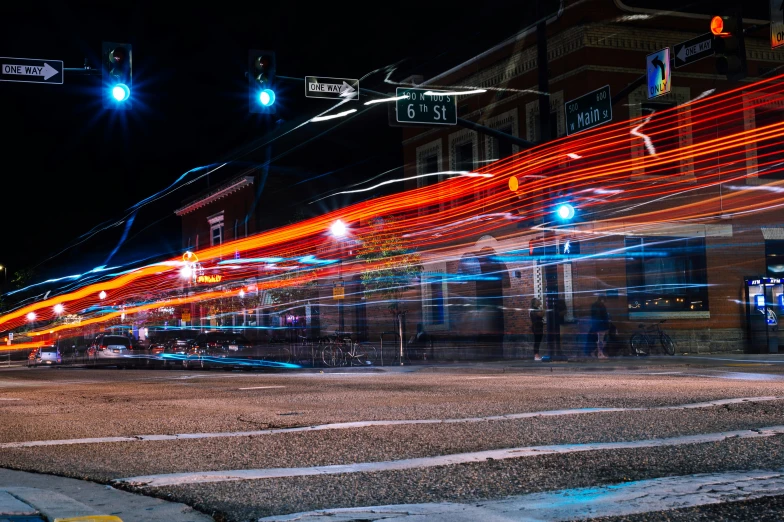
{"points": [[107, 425]]}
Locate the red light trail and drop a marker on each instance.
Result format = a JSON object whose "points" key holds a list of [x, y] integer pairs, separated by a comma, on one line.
{"points": [[594, 170]]}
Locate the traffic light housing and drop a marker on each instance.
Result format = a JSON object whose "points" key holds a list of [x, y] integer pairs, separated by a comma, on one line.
{"points": [[729, 45], [261, 79], [117, 67]]}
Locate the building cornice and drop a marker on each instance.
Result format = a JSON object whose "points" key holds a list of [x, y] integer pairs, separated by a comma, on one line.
{"points": [[221, 192]]}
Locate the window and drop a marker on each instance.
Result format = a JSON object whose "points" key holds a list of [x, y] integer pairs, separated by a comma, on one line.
{"points": [[216, 234], [429, 166], [553, 126], [662, 128], [464, 157], [770, 153], [436, 301], [666, 274], [503, 148], [774, 257]]}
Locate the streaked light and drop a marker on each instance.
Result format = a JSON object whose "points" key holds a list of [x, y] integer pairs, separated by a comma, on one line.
{"points": [[382, 100], [121, 92], [333, 116], [454, 93], [572, 155], [58, 308]]}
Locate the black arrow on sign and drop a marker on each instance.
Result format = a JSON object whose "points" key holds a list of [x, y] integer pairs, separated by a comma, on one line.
{"points": [[658, 63]]}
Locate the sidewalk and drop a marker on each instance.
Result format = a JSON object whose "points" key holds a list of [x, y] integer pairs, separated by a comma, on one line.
{"points": [[31, 497]]}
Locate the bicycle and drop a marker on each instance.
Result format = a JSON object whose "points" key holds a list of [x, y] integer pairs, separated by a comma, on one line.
{"points": [[359, 354], [331, 352], [642, 341]]}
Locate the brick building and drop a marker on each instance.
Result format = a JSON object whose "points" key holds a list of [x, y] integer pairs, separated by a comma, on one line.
{"points": [[590, 45]]}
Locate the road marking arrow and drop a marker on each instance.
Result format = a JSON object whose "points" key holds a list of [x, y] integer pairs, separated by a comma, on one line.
{"points": [[47, 71]]}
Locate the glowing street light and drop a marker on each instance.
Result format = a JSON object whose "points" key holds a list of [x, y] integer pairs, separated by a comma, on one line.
{"points": [[242, 294], [58, 308], [31, 316], [186, 272], [338, 229], [102, 295]]}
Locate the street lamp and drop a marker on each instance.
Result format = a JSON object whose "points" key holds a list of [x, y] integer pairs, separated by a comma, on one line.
{"points": [[5, 274], [58, 308], [102, 295], [339, 231], [31, 316]]}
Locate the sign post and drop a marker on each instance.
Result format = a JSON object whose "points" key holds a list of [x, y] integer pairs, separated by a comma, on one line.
{"points": [[776, 23], [31, 70], [418, 106], [332, 88], [693, 50], [659, 73], [589, 110]]}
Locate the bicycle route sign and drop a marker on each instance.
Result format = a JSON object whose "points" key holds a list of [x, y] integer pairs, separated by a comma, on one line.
{"points": [[425, 106]]}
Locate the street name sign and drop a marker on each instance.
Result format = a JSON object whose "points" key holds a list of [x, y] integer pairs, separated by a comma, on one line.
{"points": [[332, 88], [31, 70], [659, 77], [416, 106], [693, 50], [776, 23], [589, 110]]}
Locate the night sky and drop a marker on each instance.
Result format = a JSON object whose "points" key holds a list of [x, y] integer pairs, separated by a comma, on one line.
{"points": [[70, 165]]}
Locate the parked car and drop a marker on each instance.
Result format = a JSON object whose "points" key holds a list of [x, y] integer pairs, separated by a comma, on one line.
{"points": [[110, 349], [45, 355], [217, 349], [169, 347]]}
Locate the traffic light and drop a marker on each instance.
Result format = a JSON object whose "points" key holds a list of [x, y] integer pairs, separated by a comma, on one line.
{"points": [[116, 62], [729, 45], [261, 77], [565, 212]]}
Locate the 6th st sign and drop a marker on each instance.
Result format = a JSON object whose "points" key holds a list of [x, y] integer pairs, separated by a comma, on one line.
{"points": [[31, 70]]}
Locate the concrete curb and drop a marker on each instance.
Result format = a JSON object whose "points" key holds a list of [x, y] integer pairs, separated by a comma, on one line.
{"points": [[65, 498]]}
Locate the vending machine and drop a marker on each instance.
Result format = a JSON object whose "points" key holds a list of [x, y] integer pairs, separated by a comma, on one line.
{"points": [[764, 305]]}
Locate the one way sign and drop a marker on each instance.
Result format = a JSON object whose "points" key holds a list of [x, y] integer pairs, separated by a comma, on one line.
{"points": [[31, 70], [335, 88], [693, 50]]}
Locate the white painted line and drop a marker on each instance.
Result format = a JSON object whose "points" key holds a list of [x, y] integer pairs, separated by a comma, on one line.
{"points": [[368, 424], [175, 479], [261, 388], [5, 399], [643, 496]]}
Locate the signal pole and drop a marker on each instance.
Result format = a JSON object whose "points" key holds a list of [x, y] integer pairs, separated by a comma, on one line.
{"points": [[550, 269]]}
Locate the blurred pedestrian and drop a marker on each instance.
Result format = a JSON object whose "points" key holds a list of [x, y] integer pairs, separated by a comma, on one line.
{"points": [[600, 324], [537, 325]]}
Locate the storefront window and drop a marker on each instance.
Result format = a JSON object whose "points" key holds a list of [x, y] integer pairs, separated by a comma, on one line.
{"points": [[666, 274]]}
